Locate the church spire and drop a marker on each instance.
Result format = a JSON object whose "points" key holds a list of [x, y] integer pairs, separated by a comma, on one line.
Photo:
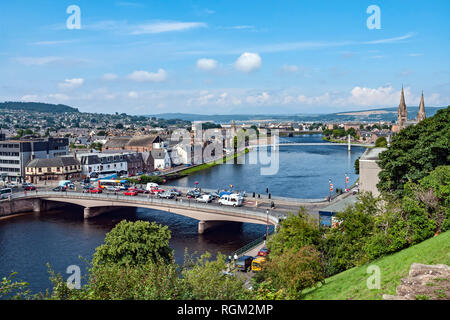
{"points": [[402, 111], [421, 115]]}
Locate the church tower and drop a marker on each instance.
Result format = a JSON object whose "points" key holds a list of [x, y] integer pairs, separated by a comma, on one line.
{"points": [[402, 112], [421, 115]]}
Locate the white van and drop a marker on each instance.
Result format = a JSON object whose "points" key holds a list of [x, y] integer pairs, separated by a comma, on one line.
{"points": [[234, 200], [151, 185], [5, 193]]}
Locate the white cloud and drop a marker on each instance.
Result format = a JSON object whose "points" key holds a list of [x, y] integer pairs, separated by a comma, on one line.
{"points": [[289, 68], [159, 27], [144, 76], [262, 98], [109, 76], [381, 96], [206, 64], [38, 61], [29, 98], [49, 60], [71, 83], [58, 97], [132, 94], [248, 62]]}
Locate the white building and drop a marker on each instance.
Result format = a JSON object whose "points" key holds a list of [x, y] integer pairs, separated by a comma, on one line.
{"points": [[161, 159]]}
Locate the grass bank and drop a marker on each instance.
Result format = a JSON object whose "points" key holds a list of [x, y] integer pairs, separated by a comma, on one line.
{"points": [[208, 165], [351, 284]]}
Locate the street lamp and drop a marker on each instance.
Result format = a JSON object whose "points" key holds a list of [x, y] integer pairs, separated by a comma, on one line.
{"points": [[267, 213]]}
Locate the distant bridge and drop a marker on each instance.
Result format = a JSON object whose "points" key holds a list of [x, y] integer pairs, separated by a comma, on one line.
{"points": [[209, 215], [314, 144]]}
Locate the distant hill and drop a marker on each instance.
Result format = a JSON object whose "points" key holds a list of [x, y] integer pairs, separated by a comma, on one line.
{"points": [[37, 107], [384, 114]]}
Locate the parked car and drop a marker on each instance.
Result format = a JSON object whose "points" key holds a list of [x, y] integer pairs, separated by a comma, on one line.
{"points": [[59, 189], [138, 190], [234, 200], [130, 193], [11, 185], [175, 192], [151, 185], [156, 191], [29, 187], [95, 190], [86, 187], [263, 252], [166, 195], [206, 198], [215, 195], [244, 263], [257, 263], [193, 194], [25, 184]]}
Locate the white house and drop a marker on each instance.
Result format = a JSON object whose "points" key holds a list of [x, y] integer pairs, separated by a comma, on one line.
{"points": [[161, 158]]}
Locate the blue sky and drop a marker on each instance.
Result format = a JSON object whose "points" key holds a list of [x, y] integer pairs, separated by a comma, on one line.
{"points": [[221, 57]]}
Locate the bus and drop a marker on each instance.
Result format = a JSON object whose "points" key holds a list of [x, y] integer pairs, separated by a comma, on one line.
{"points": [[5, 193], [114, 184]]}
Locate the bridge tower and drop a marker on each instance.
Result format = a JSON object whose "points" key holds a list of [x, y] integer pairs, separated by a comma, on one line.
{"points": [[349, 145]]}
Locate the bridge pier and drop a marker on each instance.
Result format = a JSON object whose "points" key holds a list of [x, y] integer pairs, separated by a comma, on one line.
{"points": [[91, 212], [204, 226]]}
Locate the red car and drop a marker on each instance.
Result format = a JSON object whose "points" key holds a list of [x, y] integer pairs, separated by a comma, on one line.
{"points": [[156, 191], [95, 190], [29, 187], [130, 193], [263, 252], [138, 190]]}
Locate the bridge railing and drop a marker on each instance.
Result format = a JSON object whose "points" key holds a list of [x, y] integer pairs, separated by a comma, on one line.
{"points": [[273, 217]]}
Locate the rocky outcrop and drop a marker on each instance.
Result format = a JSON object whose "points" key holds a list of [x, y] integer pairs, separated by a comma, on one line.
{"points": [[427, 282]]}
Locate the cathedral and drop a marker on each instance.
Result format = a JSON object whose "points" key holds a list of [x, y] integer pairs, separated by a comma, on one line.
{"points": [[402, 120]]}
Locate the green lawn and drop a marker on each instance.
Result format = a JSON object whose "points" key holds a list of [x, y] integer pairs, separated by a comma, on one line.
{"points": [[351, 284]]}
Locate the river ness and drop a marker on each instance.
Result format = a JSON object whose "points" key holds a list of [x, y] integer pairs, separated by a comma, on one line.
{"points": [[28, 242]]}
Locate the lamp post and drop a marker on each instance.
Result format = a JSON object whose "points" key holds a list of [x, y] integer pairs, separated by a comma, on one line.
{"points": [[267, 235], [331, 188]]}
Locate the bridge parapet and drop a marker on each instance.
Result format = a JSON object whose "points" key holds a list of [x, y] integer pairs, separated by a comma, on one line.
{"points": [[182, 206]]}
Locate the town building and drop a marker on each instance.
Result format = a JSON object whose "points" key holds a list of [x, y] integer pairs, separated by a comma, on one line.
{"points": [[15, 154], [369, 169], [51, 169], [137, 143]]}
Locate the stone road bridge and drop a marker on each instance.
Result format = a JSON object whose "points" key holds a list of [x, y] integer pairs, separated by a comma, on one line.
{"points": [[209, 215]]}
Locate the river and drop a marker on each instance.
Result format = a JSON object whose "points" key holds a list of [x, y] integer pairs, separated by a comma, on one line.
{"points": [[60, 237]]}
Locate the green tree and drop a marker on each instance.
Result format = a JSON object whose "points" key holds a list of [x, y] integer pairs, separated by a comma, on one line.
{"points": [[204, 280], [381, 142], [295, 232], [134, 243], [414, 152], [293, 271]]}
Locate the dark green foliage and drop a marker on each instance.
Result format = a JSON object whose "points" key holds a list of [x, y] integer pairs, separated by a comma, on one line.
{"points": [[295, 232], [381, 142], [37, 106], [414, 152], [134, 243], [286, 275], [144, 179]]}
